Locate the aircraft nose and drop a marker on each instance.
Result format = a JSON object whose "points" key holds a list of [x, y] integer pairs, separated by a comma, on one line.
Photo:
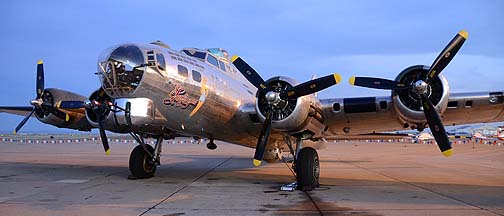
{"points": [[121, 70]]}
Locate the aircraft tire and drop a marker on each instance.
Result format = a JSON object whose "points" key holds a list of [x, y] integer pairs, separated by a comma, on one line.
{"points": [[307, 169], [211, 146], [140, 164]]}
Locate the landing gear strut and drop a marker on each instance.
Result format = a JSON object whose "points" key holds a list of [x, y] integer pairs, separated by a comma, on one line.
{"points": [[306, 165], [144, 158]]}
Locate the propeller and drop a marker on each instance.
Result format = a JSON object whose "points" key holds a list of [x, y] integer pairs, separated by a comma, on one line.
{"points": [[420, 88], [23, 122], [98, 108], [38, 103], [276, 97], [98, 111], [262, 141]]}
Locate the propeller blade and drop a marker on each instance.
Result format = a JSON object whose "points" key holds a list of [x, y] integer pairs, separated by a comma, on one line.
{"points": [[376, 83], [249, 73], [70, 104], [40, 79], [262, 141], [103, 135], [447, 55], [312, 86], [436, 126], [23, 122]]}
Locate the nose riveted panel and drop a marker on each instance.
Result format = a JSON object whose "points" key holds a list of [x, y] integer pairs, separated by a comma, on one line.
{"points": [[121, 70]]}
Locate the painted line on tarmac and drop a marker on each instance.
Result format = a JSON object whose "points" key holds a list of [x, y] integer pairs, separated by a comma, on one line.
{"points": [[187, 185]]}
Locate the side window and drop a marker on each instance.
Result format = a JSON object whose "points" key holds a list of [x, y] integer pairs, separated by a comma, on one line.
{"points": [[212, 60], [196, 76], [222, 66], [161, 61], [182, 71], [229, 69]]}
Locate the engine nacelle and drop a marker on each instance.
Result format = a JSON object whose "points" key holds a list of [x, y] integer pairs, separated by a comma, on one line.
{"points": [[140, 116], [301, 116], [408, 104], [54, 96], [109, 121]]}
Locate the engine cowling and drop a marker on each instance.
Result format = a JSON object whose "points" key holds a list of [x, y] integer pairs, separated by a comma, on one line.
{"points": [[53, 96], [301, 116], [110, 122], [138, 117], [407, 102]]}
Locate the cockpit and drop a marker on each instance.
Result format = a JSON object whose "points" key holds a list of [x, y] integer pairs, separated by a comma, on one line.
{"points": [[121, 71], [215, 56]]}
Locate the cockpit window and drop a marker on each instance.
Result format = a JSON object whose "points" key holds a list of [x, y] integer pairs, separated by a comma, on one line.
{"points": [[213, 60], [200, 55], [161, 61], [122, 72]]}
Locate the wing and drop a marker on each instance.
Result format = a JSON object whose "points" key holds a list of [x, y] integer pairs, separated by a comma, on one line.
{"points": [[370, 136], [16, 110], [350, 116]]}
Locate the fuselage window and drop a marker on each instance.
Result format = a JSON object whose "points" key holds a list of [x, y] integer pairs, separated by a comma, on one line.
{"points": [[196, 76], [161, 61], [182, 71], [222, 66], [228, 69], [213, 60]]}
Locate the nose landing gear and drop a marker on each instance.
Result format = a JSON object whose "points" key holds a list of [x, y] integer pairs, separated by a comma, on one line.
{"points": [[140, 163], [144, 159]]}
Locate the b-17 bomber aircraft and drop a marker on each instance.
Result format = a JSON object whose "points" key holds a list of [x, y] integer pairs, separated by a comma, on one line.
{"points": [[153, 91]]}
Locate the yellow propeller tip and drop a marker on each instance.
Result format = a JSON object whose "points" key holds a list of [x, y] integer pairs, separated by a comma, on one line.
{"points": [[107, 152], [234, 58], [352, 80], [40, 62], [337, 78], [256, 162], [14, 132], [67, 118], [448, 153], [464, 34]]}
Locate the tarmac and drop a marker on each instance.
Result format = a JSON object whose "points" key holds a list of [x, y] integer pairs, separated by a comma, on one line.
{"points": [[357, 178]]}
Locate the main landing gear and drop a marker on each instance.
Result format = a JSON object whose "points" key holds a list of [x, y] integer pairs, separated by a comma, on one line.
{"points": [[306, 165], [144, 158]]}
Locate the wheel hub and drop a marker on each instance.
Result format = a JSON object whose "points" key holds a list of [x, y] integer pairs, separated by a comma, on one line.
{"points": [[147, 163], [316, 168]]}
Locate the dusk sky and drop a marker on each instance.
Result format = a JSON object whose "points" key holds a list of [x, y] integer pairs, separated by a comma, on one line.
{"points": [[293, 38]]}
